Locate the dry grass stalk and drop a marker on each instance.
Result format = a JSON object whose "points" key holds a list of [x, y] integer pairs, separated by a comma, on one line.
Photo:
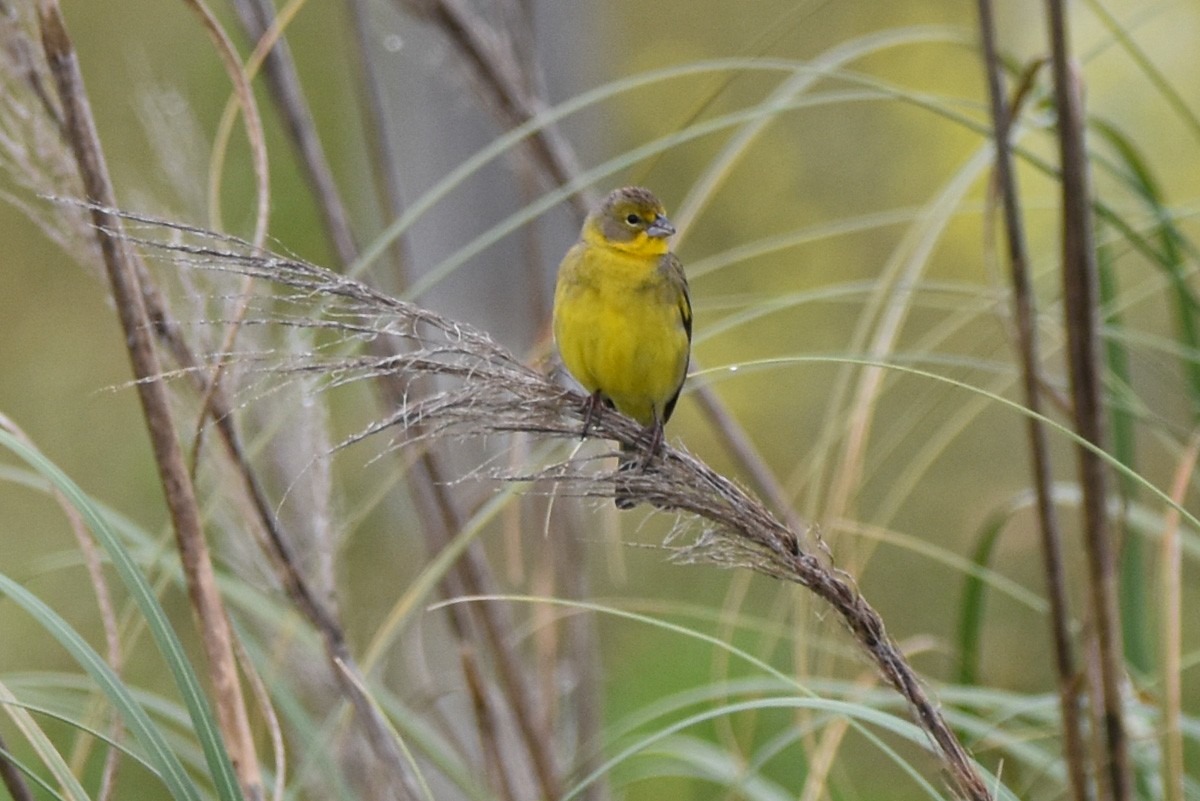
{"points": [[1025, 316], [486, 391], [495, 67], [1174, 766], [258, 18], [440, 516], [1081, 306], [120, 263], [45, 175]]}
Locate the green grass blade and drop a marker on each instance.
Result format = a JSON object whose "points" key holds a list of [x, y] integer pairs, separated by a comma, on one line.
{"points": [[29, 773], [974, 596], [126, 751], [158, 753], [1173, 250], [42, 745], [1136, 617], [217, 758]]}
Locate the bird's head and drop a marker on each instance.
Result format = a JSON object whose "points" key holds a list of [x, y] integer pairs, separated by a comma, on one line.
{"points": [[630, 219]]}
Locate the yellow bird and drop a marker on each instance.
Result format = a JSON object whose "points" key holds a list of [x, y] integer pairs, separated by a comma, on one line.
{"points": [[622, 315]]}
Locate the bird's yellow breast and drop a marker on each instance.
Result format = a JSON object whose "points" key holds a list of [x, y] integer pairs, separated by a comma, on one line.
{"points": [[619, 327]]}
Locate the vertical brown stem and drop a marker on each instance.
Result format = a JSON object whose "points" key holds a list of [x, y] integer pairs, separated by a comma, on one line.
{"points": [[1173, 775], [180, 496], [439, 517], [1080, 296], [256, 17], [496, 67], [1027, 343]]}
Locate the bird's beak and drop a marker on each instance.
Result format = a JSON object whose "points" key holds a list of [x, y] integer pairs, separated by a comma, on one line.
{"points": [[661, 228]]}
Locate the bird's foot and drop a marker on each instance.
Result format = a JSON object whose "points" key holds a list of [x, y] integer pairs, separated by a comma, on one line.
{"points": [[655, 432], [589, 411], [632, 460]]}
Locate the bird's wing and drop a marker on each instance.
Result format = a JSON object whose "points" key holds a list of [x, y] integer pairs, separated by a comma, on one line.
{"points": [[672, 269]]}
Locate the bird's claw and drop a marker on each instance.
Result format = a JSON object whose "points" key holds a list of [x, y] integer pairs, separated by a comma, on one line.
{"points": [[589, 411], [655, 432]]}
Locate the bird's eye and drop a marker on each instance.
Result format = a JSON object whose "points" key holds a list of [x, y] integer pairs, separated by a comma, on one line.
{"points": [[633, 219]]}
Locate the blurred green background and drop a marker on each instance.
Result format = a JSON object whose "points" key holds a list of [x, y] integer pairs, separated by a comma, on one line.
{"points": [[938, 461]]}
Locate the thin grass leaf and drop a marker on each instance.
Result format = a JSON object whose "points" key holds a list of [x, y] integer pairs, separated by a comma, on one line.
{"points": [[158, 753], [43, 711], [549, 200], [1173, 252], [1136, 616], [694, 758], [513, 138], [1135, 607], [398, 617], [216, 757], [1012, 405], [825, 65], [860, 717], [1121, 34], [427, 741], [29, 773], [863, 715], [974, 596], [43, 747], [312, 739]]}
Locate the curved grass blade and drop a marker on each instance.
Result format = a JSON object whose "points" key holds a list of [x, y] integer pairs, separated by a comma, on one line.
{"points": [[974, 596], [42, 711], [158, 753], [41, 744], [217, 758], [1173, 252], [1136, 617], [28, 773]]}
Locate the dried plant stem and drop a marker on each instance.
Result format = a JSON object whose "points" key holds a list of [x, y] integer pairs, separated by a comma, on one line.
{"points": [[496, 67], [21, 53], [321, 616], [1172, 629], [258, 19], [492, 393], [867, 627], [471, 576], [387, 160], [119, 262], [1080, 295], [1074, 751], [435, 507], [489, 739], [254, 129], [262, 698], [438, 512], [258, 150], [276, 544]]}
